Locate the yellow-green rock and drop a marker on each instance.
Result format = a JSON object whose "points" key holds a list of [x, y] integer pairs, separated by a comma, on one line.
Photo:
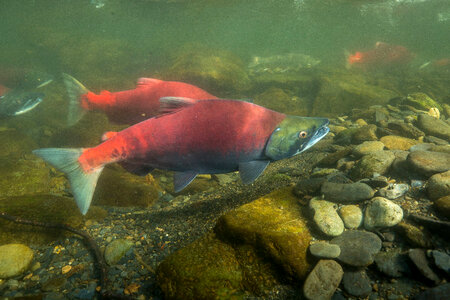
{"points": [[217, 71], [117, 187], [14, 259], [281, 101], [42, 208], [421, 101], [394, 142], [206, 269], [273, 224]]}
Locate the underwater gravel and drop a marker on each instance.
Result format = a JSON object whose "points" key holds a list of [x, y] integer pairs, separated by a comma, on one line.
{"points": [[65, 268]]}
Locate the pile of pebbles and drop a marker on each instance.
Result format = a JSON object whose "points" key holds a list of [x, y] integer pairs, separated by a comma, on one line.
{"points": [[378, 174]]}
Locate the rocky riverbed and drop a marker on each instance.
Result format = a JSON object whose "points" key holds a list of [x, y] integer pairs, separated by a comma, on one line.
{"points": [[363, 214]]}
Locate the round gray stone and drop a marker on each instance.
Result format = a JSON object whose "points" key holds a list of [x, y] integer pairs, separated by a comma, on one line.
{"points": [[357, 283], [381, 212], [323, 280], [346, 192], [324, 249], [351, 215], [357, 247]]}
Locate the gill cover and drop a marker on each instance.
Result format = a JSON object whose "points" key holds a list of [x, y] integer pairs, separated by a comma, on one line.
{"points": [[294, 135]]}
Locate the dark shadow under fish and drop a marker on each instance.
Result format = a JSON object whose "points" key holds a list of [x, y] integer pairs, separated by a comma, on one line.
{"points": [[17, 102]]}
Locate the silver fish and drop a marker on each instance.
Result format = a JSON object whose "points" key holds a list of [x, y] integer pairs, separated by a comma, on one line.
{"points": [[17, 102]]}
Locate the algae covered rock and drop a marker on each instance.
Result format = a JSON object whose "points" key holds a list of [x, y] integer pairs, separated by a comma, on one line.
{"points": [[14, 259], [374, 163], [86, 133], [273, 224], [42, 208], [115, 250], [278, 100], [118, 187], [27, 175], [393, 142], [14, 143], [341, 93], [421, 101], [207, 268], [217, 71]]}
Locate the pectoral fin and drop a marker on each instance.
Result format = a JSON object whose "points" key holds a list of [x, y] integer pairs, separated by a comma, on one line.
{"points": [[182, 179], [251, 170]]}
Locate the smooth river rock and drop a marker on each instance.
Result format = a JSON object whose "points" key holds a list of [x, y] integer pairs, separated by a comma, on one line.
{"points": [[373, 163], [14, 259], [429, 163], [433, 126], [323, 281], [357, 247], [326, 217], [381, 212], [346, 193], [351, 215], [439, 185], [322, 249]]}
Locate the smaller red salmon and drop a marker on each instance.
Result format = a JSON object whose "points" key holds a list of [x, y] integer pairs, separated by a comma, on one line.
{"points": [[383, 57], [130, 106]]}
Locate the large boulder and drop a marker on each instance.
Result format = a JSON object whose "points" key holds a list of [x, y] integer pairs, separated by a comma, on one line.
{"points": [[274, 225], [340, 93], [281, 101], [41, 208], [217, 71]]}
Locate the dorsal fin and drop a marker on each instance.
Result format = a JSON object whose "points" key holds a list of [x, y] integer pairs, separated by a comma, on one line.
{"points": [[143, 81], [108, 135], [168, 105]]}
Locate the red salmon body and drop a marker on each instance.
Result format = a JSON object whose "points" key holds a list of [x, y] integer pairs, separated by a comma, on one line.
{"points": [[192, 137], [206, 137], [141, 103], [382, 57]]}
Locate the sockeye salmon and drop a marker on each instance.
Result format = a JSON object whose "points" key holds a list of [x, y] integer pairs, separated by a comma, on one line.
{"points": [[383, 57], [192, 137], [127, 107]]}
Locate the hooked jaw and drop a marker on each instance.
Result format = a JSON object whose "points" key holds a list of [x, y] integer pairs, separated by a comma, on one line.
{"points": [[295, 135]]}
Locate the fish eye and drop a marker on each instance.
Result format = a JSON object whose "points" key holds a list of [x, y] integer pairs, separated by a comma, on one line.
{"points": [[302, 134]]}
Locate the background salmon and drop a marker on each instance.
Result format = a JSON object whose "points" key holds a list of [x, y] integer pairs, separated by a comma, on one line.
{"points": [[383, 56], [131, 106], [194, 137]]}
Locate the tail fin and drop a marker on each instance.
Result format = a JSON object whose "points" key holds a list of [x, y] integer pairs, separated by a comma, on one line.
{"points": [[74, 89], [82, 183]]}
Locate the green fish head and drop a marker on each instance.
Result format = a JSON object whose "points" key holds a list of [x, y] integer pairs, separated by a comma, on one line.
{"points": [[294, 135]]}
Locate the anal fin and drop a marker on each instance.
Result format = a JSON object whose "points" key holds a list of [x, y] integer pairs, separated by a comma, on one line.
{"points": [[251, 170], [182, 179]]}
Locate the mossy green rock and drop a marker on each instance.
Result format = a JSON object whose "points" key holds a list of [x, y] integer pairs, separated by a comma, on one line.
{"points": [[279, 100], [14, 143], [340, 93], [217, 71], [273, 224], [86, 133], [378, 162], [27, 175], [206, 269], [421, 101], [117, 187], [42, 208], [14, 260], [115, 250]]}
